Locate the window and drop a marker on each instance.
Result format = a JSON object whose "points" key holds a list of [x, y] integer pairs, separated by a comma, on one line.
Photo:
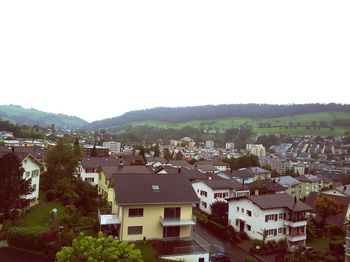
{"points": [[135, 230], [225, 195], [249, 213], [201, 259], [237, 222], [204, 204], [27, 174], [271, 232], [135, 212], [34, 187], [242, 210], [249, 227], [280, 230], [272, 217], [89, 179], [204, 193], [172, 213], [282, 216], [35, 173], [237, 209]]}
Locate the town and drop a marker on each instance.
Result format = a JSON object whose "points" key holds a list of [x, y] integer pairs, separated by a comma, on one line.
{"points": [[185, 200]]}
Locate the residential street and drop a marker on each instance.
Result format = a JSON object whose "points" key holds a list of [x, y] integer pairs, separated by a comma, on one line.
{"points": [[218, 245]]}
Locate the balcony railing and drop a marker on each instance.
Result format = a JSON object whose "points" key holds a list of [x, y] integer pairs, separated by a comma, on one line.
{"points": [[169, 222]]}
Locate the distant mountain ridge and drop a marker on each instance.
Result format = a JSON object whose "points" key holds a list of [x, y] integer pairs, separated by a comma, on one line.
{"points": [[211, 112], [24, 116]]}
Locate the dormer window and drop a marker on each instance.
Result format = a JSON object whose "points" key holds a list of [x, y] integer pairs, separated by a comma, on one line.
{"points": [[155, 188]]}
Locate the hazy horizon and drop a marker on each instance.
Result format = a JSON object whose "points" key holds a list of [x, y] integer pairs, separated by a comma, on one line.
{"points": [[98, 60]]}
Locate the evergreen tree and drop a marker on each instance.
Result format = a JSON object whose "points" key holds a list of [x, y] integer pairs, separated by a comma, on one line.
{"points": [[179, 155], [166, 154], [94, 151], [156, 150], [13, 187]]}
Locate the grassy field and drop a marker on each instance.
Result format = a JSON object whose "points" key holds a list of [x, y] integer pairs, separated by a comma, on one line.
{"points": [[39, 214], [299, 124]]}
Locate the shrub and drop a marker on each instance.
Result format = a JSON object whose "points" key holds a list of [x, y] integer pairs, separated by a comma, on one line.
{"points": [[260, 243], [69, 198], [335, 230], [50, 195], [336, 247], [27, 237]]}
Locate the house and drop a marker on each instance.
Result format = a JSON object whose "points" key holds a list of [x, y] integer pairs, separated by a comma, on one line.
{"points": [[155, 161], [105, 174], [151, 207], [271, 216], [311, 183], [100, 151], [250, 174], [132, 159], [220, 165], [191, 174], [294, 186], [179, 164], [89, 166], [210, 191], [338, 219], [207, 168], [338, 191], [32, 170], [266, 186]]}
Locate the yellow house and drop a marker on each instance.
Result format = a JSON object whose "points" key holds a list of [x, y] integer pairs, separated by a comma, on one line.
{"points": [[151, 207]]}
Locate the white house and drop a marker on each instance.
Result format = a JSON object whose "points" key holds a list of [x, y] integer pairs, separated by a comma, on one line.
{"points": [[89, 167], [277, 216], [210, 191]]}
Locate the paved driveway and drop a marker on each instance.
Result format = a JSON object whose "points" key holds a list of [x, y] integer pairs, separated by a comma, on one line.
{"points": [[218, 245]]}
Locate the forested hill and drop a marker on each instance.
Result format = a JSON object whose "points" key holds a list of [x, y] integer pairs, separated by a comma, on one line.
{"points": [[211, 112], [23, 116]]}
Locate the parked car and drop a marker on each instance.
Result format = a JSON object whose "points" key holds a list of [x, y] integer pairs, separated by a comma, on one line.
{"points": [[220, 257]]}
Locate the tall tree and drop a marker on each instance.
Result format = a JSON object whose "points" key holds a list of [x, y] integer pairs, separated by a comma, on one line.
{"points": [[219, 208], [166, 154], [94, 151], [156, 150], [179, 155], [77, 148], [87, 248], [61, 162], [13, 187], [326, 206]]}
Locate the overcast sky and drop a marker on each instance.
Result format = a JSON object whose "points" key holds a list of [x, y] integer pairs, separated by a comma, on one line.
{"points": [[99, 59]]}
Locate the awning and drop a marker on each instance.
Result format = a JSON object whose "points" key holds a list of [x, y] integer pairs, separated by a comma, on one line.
{"points": [[109, 219]]}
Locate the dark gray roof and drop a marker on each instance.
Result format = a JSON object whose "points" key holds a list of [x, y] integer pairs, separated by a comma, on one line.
{"points": [[96, 162], [224, 184], [269, 184], [156, 159], [137, 189], [272, 201], [37, 151], [212, 162], [179, 163], [207, 168], [137, 169], [308, 178], [192, 174]]}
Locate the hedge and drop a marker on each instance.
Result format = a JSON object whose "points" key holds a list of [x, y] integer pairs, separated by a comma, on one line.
{"points": [[27, 237]]}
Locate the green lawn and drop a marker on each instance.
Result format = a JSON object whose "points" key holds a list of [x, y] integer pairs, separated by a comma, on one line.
{"points": [[39, 215], [149, 254], [303, 120], [318, 243]]}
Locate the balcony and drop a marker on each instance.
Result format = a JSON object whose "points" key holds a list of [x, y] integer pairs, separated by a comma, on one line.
{"points": [[296, 237], [105, 217], [295, 223], [172, 222]]}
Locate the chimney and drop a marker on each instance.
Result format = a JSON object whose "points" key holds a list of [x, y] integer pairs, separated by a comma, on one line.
{"points": [[344, 188], [295, 200], [179, 170], [256, 192]]}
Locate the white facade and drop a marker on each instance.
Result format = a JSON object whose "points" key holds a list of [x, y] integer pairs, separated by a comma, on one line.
{"points": [[207, 195], [188, 257], [230, 146], [32, 171], [114, 147], [246, 216], [256, 149], [209, 144], [89, 175]]}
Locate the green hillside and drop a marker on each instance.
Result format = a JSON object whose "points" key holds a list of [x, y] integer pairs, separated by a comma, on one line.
{"points": [[305, 124], [23, 116]]}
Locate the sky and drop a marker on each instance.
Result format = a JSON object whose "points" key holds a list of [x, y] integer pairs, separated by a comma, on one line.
{"points": [[99, 59]]}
